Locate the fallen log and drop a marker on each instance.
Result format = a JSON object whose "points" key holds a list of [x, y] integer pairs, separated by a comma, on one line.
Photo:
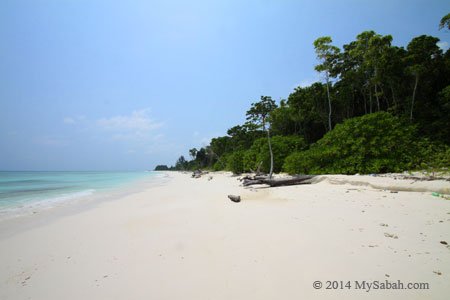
{"points": [[235, 198], [302, 179], [248, 182], [255, 177], [198, 173], [261, 177]]}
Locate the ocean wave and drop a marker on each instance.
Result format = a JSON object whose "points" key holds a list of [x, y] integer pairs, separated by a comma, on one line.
{"points": [[15, 209]]}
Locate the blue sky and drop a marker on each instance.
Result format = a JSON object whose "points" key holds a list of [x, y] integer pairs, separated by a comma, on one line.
{"points": [[126, 85]]}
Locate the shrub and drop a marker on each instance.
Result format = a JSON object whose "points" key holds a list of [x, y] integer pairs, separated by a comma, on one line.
{"points": [[218, 165], [373, 143], [282, 146], [235, 162], [433, 155]]}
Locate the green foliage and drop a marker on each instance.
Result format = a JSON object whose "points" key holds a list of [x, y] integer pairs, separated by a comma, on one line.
{"points": [[161, 168], [374, 143], [235, 162], [433, 155], [325, 53], [282, 146], [371, 75], [445, 22], [181, 163], [259, 112], [220, 145], [218, 166], [309, 111]]}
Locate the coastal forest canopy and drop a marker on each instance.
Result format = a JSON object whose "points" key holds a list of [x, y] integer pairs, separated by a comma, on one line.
{"points": [[380, 108]]}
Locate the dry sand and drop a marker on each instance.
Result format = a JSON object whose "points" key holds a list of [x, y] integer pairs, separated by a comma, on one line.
{"points": [[186, 240]]}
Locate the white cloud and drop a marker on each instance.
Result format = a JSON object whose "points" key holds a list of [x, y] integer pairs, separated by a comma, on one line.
{"points": [[69, 120], [443, 45], [136, 126], [138, 121]]}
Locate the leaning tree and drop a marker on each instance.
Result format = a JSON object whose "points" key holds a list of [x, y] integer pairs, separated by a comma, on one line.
{"points": [[258, 116]]}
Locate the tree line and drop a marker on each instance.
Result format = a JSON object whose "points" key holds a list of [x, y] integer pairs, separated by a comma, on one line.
{"points": [[380, 108]]}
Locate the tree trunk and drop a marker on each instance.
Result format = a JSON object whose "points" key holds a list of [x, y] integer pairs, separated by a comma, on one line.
{"points": [[376, 95], [370, 100], [393, 95], [365, 101], [271, 153], [385, 97], [376, 91], [414, 97], [329, 102]]}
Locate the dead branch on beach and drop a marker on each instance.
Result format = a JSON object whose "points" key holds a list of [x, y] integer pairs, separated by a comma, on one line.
{"points": [[198, 173], [299, 179]]}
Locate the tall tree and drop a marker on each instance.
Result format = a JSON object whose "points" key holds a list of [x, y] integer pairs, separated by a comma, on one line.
{"points": [[359, 53], [181, 163], [422, 51], [326, 54], [375, 59], [258, 115], [193, 153]]}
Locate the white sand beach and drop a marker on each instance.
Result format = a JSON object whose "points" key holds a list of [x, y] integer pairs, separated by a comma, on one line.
{"points": [[185, 239]]}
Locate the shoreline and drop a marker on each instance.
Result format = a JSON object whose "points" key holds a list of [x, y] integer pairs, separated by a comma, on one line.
{"points": [[33, 216], [186, 239]]}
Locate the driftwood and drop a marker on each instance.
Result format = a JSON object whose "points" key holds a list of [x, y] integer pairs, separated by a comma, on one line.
{"points": [[301, 179], [235, 198], [254, 177], [258, 170], [198, 173]]}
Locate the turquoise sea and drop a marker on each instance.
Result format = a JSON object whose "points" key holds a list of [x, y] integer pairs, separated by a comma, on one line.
{"points": [[20, 190]]}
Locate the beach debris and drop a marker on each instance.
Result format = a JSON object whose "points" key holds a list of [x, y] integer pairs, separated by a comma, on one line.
{"points": [[258, 170], [444, 243], [437, 272], [235, 198], [298, 179], [387, 275], [384, 225], [393, 192], [198, 173], [436, 194], [390, 235], [210, 178]]}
